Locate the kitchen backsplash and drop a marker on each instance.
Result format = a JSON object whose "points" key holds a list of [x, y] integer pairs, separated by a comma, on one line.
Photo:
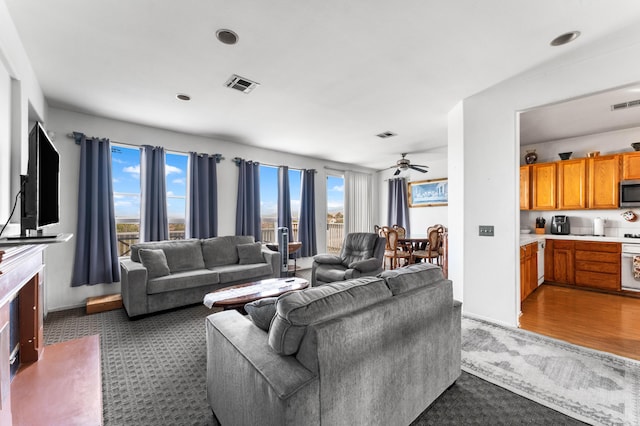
{"points": [[581, 221]]}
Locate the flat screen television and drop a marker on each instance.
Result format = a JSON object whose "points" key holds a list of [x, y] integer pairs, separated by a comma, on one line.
{"points": [[40, 205]]}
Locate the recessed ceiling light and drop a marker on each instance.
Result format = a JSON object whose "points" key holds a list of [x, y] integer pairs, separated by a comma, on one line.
{"points": [[227, 36], [565, 38], [183, 97]]}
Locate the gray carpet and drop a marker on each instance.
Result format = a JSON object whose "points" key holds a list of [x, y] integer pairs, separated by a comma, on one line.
{"points": [[153, 373]]}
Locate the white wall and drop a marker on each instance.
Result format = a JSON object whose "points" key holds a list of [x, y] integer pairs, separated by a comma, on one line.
{"points": [[58, 291], [490, 129]]}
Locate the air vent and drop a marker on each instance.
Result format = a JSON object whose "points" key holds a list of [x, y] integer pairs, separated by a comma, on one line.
{"points": [[240, 83], [625, 105], [385, 135]]}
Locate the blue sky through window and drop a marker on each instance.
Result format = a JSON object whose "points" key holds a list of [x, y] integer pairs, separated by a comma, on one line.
{"points": [[125, 166], [335, 194], [269, 192]]}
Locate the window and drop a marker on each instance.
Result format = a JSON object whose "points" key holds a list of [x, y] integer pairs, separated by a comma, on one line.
{"points": [[335, 213], [176, 172], [269, 201], [125, 169]]}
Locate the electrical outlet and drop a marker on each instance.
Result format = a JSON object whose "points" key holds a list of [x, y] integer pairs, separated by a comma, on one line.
{"points": [[485, 230]]}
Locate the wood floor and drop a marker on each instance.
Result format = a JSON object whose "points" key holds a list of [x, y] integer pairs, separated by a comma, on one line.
{"points": [[605, 322]]}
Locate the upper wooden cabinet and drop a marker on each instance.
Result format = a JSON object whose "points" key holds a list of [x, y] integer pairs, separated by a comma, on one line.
{"points": [[543, 178], [572, 184], [604, 177], [525, 187], [631, 166]]}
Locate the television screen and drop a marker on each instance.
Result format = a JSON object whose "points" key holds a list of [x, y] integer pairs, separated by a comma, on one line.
{"points": [[41, 184]]}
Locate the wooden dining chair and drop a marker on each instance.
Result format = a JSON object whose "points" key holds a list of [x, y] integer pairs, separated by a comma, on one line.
{"points": [[432, 251], [402, 233], [393, 252]]}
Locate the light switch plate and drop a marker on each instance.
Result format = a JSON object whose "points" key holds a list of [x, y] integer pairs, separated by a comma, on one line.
{"points": [[485, 230]]}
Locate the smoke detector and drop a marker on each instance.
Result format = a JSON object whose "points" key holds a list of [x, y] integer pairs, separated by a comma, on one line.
{"points": [[240, 83], [386, 134]]}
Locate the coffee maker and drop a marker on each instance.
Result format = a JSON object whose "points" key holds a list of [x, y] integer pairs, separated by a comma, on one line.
{"points": [[560, 225]]}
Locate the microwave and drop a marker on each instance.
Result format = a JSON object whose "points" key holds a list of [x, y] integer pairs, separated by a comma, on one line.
{"points": [[630, 193]]}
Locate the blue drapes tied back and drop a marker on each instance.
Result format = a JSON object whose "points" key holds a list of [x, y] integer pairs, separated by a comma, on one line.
{"points": [[398, 209], [202, 202], [248, 203], [284, 200], [307, 224], [154, 225], [96, 255]]}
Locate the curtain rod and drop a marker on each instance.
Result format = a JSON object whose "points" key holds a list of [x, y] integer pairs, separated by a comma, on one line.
{"points": [[218, 157], [238, 159], [345, 171]]}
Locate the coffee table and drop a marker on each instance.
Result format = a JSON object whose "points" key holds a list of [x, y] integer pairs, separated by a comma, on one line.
{"points": [[238, 295]]}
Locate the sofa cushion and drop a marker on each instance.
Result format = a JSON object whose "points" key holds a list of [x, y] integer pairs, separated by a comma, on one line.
{"points": [[222, 250], [249, 254], [246, 273], [155, 262], [330, 273], [404, 279], [182, 280], [296, 310], [262, 311], [182, 255]]}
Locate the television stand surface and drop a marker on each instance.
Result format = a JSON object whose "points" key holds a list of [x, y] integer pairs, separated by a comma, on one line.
{"points": [[16, 240], [30, 237]]}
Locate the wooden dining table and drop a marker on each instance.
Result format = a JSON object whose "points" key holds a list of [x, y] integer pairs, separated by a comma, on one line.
{"points": [[414, 242]]}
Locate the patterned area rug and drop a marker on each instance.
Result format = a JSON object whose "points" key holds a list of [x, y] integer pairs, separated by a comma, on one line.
{"points": [[596, 387]]}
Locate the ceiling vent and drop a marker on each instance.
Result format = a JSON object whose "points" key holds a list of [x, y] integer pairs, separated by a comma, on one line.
{"points": [[385, 135], [240, 83], [625, 105]]}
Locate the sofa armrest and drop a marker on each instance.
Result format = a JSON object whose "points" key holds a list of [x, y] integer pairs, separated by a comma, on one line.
{"points": [[248, 383], [327, 259], [133, 280], [367, 265], [272, 257]]}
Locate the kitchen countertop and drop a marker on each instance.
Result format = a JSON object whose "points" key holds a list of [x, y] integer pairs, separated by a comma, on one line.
{"points": [[531, 238]]}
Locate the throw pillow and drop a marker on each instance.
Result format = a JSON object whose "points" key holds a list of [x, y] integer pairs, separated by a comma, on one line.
{"points": [[155, 261], [250, 253], [262, 311]]}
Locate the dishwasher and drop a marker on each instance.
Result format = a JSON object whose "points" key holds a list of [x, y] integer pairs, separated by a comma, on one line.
{"points": [[627, 276]]}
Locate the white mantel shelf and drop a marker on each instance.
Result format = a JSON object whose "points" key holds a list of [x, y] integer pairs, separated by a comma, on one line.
{"points": [[60, 238]]}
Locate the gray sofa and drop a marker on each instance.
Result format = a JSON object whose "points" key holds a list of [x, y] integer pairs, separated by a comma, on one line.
{"points": [[367, 351], [168, 274]]}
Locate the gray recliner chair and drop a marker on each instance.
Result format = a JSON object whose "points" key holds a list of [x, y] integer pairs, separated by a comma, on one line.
{"points": [[361, 255]]}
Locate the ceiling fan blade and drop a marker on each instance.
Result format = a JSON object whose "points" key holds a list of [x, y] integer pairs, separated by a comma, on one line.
{"points": [[397, 172], [420, 165], [418, 169]]}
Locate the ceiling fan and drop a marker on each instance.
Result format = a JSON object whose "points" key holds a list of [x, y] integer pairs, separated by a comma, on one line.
{"points": [[404, 164]]}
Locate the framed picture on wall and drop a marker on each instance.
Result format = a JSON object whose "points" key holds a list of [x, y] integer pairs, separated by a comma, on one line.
{"points": [[429, 193]]}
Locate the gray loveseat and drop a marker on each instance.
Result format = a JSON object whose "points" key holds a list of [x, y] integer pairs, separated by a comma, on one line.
{"points": [[367, 351], [168, 274]]}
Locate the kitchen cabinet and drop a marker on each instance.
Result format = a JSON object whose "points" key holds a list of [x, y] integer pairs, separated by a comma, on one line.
{"points": [[525, 187], [572, 184], [597, 265], [604, 178], [528, 269], [631, 166], [543, 178], [558, 261]]}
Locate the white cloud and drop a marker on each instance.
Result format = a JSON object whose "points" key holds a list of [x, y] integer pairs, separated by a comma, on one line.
{"points": [[172, 169], [134, 171], [115, 180], [169, 193], [338, 188], [117, 160], [122, 203], [335, 206], [180, 181]]}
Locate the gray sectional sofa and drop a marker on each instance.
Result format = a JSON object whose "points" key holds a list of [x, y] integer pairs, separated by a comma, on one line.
{"points": [[168, 274], [367, 351]]}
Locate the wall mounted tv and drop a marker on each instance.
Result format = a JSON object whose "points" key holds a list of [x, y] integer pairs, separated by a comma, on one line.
{"points": [[40, 205]]}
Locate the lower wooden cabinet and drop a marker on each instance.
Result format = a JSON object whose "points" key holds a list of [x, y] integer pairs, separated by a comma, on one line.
{"points": [[528, 269], [597, 265], [558, 261], [583, 263]]}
